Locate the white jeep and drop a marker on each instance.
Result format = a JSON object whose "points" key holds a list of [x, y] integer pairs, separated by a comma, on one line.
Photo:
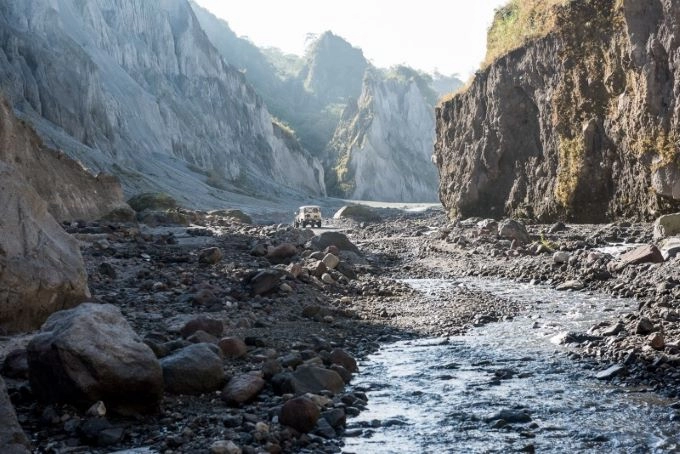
{"points": [[308, 215]]}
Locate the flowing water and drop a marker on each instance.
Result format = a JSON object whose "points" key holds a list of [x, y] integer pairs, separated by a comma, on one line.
{"points": [[440, 395]]}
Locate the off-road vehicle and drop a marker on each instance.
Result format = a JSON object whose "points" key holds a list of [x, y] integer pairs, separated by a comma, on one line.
{"points": [[309, 215]]}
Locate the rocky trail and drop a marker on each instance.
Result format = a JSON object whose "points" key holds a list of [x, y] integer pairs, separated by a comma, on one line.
{"points": [[251, 334]]}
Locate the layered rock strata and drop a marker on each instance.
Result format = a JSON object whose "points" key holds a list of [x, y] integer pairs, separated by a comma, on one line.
{"points": [[580, 125]]}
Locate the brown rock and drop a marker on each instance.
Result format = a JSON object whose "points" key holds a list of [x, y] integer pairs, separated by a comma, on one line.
{"points": [[233, 347], [204, 297], [657, 341], [210, 256], [513, 230], [341, 357], [643, 254], [281, 253], [319, 269], [265, 282], [332, 249], [344, 373], [295, 269], [242, 388], [300, 413]]}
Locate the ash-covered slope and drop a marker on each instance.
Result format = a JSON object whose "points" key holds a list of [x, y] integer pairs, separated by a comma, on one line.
{"points": [[383, 145], [582, 124], [135, 87], [71, 193], [372, 128]]}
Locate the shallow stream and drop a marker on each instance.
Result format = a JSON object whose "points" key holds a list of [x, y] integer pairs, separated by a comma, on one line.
{"points": [[445, 395]]}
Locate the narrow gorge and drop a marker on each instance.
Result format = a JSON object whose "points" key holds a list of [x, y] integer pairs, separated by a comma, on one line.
{"points": [[210, 243]]}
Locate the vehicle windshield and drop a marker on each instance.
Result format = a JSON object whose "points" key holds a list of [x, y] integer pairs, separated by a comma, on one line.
{"points": [[311, 210]]}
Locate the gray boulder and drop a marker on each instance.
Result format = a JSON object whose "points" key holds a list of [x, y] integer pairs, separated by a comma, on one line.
{"points": [[41, 269], [311, 379], [670, 247], [194, 369], [359, 213], [242, 388], [91, 353], [265, 282], [12, 437], [513, 230], [337, 239], [665, 226]]}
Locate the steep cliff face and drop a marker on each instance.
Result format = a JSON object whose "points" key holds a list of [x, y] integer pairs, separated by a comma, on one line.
{"points": [[383, 145], [70, 192], [41, 269], [137, 88], [372, 128], [581, 124]]}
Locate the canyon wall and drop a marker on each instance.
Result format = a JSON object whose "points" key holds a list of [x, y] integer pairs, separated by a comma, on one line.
{"points": [[580, 125]]}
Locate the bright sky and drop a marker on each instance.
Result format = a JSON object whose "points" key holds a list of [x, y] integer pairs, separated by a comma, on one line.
{"points": [[449, 35]]}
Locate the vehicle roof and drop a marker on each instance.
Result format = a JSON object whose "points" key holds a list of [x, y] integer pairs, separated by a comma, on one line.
{"points": [[310, 206]]}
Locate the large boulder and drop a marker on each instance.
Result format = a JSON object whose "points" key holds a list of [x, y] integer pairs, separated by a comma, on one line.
{"points": [[90, 353], [344, 359], [513, 230], [648, 253], [336, 239], [300, 413], [194, 369], [12, 437], [669, 247], [311, 379], [359, 213], [41, 269], [665, 226]]}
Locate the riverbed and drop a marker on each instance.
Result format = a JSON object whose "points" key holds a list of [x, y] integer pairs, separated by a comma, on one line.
{"points": [[506, 386]]}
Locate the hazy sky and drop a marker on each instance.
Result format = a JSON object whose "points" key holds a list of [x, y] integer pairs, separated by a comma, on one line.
{"points": [[449, 35]]}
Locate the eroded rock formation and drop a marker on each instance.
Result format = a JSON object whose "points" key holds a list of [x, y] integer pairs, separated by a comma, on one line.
{"points": [[581, 124], [137, 88], [70, 191], [383, 144], [41, 269]]}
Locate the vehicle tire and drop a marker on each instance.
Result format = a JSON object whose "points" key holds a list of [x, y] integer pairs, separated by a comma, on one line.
{"points": [[318, 224]]}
